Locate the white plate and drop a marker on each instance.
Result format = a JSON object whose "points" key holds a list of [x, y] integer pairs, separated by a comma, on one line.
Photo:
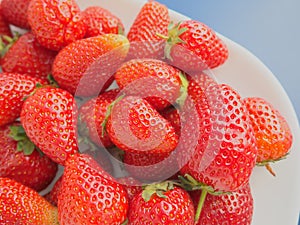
{"points": [[276, 199]]}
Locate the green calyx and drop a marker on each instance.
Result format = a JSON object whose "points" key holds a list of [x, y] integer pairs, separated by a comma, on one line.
{"points": [[183, 90], [158, 189]]}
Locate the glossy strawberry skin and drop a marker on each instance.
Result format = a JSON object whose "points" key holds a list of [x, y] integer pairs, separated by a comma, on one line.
{"points": [[13, 88], [272, 132], [22, 205], [49, 118], [154, 80], [152, 19], [135, 126], [56, 23], [89, 195], [175, 208], [27, 56], [76, 67], [101, 21]]}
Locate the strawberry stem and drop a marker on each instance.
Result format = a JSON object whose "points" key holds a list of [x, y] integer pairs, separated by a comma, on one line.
{"points": [[269, 168], [203, 195]]}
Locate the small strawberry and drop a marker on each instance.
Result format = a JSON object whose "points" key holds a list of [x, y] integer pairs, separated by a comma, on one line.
{"points": [[56, 23], [52, 196], [49, 117], [21, 161], [86, 66], [156, 81], [89, 195], [27, 56], [193, 46], [101, 21], [135, 126], [153, 18], [15, 12], [162, 203], [272, 132], [13, 89], [22, 205]]}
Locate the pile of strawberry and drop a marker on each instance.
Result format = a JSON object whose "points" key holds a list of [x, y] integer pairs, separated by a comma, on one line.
{"points": [[135, 120]]}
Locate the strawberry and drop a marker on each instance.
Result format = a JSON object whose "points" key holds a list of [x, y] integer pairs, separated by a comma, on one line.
{"points": [[272, 132], [22, 205], [49, 118], [27, 56], [154, 80], [193, 46], [13, 88], [15, 12], [153, 18], [236, 207], [56, 23], [52, 196], [91, 116], [101, 21], [4, 25], [135, 126], [89, 195], [21, 161], [172, 115], [162, 203], [76, 67]]}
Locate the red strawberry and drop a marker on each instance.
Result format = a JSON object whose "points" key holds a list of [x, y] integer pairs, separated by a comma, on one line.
{"points": [[272, 132], [52, 196], [89, 195], [21, 161], [49, 118], [135, 126], [91, 116], [4, 25], [56, 23], [154, 80], [27, 56], [13, 88], [101, 21], [193, 46], [172, 115], [15, 12], [153, 18], [162, 203], [22, 205], [236, 207], [76, 67]]}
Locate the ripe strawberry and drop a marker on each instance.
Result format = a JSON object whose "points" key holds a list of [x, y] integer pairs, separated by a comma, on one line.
{"points": [[91, 116], [193, 46], [56, 23], [154, 80], [101, 21], [272, 132], [52, 196], [49, 118], [86, 66], [27, 56], [135, 126], [162, 203], [236, 207], [13, 88], [22, 205], [4, 26], [153, 18], [21, 161], [89, 195], [15, 12]]}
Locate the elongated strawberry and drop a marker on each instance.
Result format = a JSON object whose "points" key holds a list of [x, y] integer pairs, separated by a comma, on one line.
{"points": [[21, 161], [272, 132], [163, 203], [193, 46], [153, 18], [86, 67], [101, 21], [89, 195], [135, 126], [13, 88], [49, 118], [156, 81], [27, 56], [56, 23], [22, 205]]}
